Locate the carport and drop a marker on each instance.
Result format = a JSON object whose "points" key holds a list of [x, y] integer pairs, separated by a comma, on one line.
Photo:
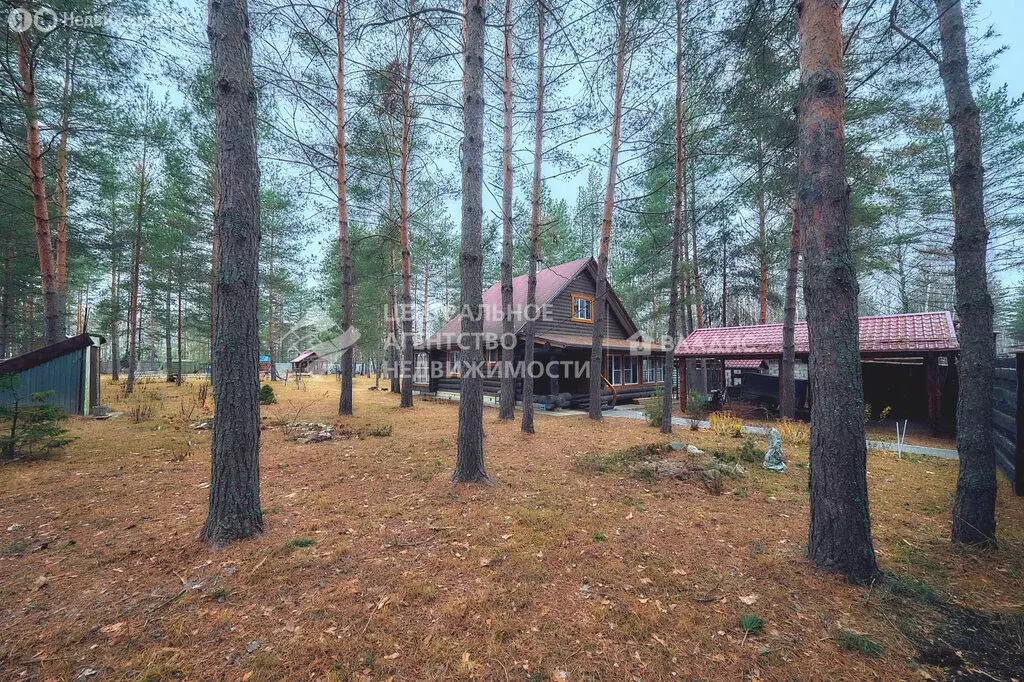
{"points": [[908, 358]]}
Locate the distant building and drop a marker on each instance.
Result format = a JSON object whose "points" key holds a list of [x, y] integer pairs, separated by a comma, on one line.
{"points": [[68, 371]]}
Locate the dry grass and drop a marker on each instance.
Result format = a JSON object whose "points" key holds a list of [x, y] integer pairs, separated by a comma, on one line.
{"points": [[793, 432], [725, 425], [372, 566]]}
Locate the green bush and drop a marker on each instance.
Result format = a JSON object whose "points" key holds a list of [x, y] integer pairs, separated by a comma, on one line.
{"points": [[751, 623], [267, 396], [748, 451], [851, 641], [652, 408], [29, 426], [695, 405]]}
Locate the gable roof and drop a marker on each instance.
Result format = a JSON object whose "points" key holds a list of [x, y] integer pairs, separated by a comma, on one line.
{"points": [[304, 356], [550, 283], [42, 355], [879, 335]]}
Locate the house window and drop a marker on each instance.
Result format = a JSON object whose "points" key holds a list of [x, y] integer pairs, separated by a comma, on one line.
{"points": [[623, 370], [421, 372], [582, 308], [615, 369], [493, 356], [630, 370], [654, 370], [453, 363]]}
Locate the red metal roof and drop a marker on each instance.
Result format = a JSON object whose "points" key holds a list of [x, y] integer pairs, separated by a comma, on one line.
{"points": [[879, 335], [305, 355], [743, 364]]}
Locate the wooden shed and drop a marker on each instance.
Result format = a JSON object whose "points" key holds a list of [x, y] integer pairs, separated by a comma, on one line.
{"points": [[301, 362], [69, 371]]}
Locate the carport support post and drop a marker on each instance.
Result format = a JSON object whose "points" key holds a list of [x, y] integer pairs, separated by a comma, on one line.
{"points": [[931, 379], [681, 364]]}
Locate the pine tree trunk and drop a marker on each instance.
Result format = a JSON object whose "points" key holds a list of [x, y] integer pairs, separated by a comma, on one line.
{"points": [[426, 295], [214, 254], [234, 510], [762, 237], [787, 373], [725, 278], [697, 303], [839, 537], [469, 464], [531, 277], [677, 230], [61, 176], [5, 309], [685, 271], [393, 345], [403, 225], [115, 330], [344, 257], [270, 304], [133, 291], [168, 357], [974, 519], [601, 299], [52, 316], [181, 258], [507, 397]]}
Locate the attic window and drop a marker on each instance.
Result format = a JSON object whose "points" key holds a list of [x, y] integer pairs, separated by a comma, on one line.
{"points": [[582, 308]]}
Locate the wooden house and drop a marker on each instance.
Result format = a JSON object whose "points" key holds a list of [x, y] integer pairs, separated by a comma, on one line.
{"points": [[564, 325]]}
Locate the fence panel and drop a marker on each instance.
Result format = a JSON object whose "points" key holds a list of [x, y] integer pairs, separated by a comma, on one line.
{"points": [[1008, 419]]}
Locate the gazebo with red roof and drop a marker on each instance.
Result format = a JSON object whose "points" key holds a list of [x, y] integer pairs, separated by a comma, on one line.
{"points": [[915, 338]]}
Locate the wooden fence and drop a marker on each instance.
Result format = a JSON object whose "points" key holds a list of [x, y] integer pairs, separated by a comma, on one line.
{"points": [[1008, 419]]}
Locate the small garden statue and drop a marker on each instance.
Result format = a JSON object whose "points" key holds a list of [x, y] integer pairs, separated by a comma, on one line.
{"points": [[773, 459]]}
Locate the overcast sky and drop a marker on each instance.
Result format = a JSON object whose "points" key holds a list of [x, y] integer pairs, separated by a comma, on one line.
{"points": [[1008, 18]]}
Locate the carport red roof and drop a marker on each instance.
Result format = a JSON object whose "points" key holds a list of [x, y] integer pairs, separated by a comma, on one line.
{"points": [[879, 335]]}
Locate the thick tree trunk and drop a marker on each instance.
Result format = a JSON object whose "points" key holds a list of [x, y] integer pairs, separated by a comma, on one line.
{"points": [[531, 277], [469, 463], [839, 537], [344, 256], [974, 519], [234, 511], [677, 230], [403, 224], [507, 397], [133, 290], [601, 299], [52, 316], [787, 374]]}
